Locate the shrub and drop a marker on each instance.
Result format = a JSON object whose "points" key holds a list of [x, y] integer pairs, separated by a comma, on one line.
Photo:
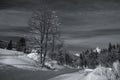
{"points": [[101, 73], [116, 70]]}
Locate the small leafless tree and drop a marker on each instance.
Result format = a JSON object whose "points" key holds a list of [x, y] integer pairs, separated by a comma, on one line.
{"points": [[43, 26]]}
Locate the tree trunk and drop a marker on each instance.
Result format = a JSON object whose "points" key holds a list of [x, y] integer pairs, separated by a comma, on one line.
{"points": [[46, 46], [53, 43]]}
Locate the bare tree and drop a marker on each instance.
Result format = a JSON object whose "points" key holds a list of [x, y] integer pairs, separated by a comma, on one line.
{"points": [[55, 33], [43, 23]]}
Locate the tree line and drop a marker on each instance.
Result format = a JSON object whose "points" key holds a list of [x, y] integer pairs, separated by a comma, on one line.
{"points": [[106, 57], [20, 45]]}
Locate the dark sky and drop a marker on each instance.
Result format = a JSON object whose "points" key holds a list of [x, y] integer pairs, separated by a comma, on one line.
{"points": [[84, 23]]}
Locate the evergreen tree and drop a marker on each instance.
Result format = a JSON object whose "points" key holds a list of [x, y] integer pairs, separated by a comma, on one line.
{"points": [[118, 46], [68, 59], [114, 47], [10, 46], [21, 45], [119, 50], [81, 60], [110, 47], [60, 58]]}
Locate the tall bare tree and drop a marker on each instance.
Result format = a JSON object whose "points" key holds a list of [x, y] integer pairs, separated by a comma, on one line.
{"points": [[55, 33], [43, 23]]}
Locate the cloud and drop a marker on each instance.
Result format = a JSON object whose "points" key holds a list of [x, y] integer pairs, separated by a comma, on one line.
{"points": [[93, 42], [91, 33], [83, 22], [13, 23], [90, 24], [66, 5], [14, 18]]}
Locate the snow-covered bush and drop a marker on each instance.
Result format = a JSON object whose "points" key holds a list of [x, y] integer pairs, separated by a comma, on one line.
{"points": [[34, 56], [49, 65], [116, 69], [101, 73]]}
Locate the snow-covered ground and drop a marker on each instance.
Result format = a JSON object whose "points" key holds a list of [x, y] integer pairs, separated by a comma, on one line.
{"points": [[34, 56], [100, 73], [5, 52], [25, 61], [18, 60], [52, 64], [72, 76], [19, 66]]}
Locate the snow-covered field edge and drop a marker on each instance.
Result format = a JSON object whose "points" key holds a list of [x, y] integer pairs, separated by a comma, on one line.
{"points": [[99, 73], [25, 61]]}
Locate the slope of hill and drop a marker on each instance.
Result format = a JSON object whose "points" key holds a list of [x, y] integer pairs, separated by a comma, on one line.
{"points": [[17, 59], [18, 66]]}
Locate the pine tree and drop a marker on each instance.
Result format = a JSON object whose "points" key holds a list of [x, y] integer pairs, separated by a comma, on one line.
{"points": [[68, 59], [119, 50], [60, 58], [10, 46], [81, 60], [110, 47], [118, 46], [114, 47], [21, 45]]}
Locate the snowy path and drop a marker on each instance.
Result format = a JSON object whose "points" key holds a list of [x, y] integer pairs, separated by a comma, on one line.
{"points": [[72, 76], [21, 74]]}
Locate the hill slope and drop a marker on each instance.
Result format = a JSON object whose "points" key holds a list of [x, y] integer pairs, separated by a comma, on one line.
{"points": [[17, 59]]}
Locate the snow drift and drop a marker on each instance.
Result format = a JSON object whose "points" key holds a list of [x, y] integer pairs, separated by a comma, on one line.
{"points": [[34, 56], [101, 73]]}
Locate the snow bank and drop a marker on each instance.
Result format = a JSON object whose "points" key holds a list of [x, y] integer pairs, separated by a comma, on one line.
{"points": [[34, 56], [101, 73], [116, 69]]}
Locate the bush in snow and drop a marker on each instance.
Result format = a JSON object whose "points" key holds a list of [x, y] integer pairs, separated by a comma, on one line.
{"points": [[34, 56], [116, 70], [101, 73]]}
